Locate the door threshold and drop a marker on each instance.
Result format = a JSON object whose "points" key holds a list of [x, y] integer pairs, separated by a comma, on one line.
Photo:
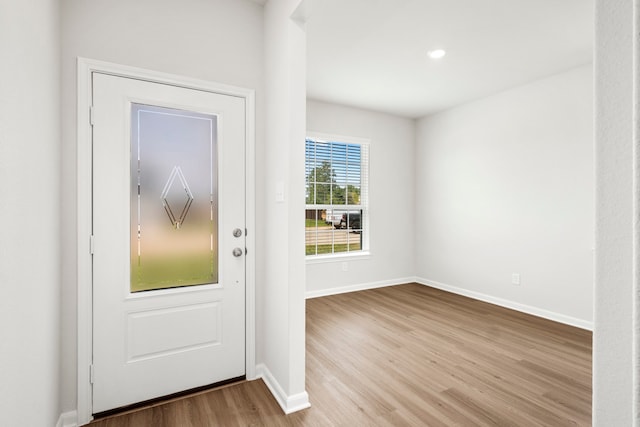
{"points": [[166, 399]]}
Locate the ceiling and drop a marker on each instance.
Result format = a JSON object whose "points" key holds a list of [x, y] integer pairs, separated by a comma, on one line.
{"points": [[373, 53]]}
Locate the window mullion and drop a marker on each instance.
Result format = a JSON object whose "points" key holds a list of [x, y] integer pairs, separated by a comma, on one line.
{"points": [[347, 163]]}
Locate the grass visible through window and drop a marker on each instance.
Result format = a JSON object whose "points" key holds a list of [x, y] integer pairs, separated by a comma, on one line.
{"points": [[336, 195], [326, 249], [313, 223]]}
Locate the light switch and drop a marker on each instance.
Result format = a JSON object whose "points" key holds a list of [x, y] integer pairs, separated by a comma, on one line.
{"points": [[279, 191]]}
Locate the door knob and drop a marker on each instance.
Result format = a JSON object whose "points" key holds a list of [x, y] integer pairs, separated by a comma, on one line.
{"points": [[237, 252], [237, 232]]}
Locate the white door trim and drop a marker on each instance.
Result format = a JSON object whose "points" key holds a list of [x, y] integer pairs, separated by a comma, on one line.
{"points": [[84, 211]]}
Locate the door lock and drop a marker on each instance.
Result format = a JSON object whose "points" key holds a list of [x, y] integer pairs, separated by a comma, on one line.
{"points": [[237, 232]]}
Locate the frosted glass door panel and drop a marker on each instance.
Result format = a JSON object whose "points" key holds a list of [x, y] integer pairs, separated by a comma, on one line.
{"points": [[173, 198]]}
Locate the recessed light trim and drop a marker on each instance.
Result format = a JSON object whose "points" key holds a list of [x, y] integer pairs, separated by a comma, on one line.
{"points": [[437, 53]]}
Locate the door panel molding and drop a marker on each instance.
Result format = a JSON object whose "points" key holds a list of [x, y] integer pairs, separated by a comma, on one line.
{"points": [[85, 68]]}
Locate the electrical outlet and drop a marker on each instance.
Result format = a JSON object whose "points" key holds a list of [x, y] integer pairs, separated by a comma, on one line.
{"points": [[345, 266], [515, 279]]}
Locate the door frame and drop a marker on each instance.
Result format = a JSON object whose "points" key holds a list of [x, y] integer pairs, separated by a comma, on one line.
{"points": [[85, 68]]}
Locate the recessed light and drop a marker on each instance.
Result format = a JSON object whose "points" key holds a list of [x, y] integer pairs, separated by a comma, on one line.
{"points": [[437, 53]]}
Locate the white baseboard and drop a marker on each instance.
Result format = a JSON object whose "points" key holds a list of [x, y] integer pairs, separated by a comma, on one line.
{"points": [[289, 404], [535, 311], [359, 287], [68, 419]]}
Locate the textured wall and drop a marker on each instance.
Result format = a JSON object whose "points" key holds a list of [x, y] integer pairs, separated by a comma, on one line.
{"points": [[282, 321], [391, 198], [505, 185], [613, 337], [29, 212]]}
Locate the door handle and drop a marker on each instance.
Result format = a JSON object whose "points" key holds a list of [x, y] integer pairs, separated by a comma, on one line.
{"points": [[237, 252]]}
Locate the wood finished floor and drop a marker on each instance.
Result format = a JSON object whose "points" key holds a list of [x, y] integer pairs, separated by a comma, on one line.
{"points": [[410, 355]]}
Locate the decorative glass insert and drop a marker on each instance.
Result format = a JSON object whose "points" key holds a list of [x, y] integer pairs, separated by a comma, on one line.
{"points": [[174, 212]]}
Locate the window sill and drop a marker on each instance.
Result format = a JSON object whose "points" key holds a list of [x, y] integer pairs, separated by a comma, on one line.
{"points": [[321, 259]]}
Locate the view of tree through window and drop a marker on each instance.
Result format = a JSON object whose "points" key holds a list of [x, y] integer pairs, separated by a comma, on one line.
{"points": [[335, 196]]}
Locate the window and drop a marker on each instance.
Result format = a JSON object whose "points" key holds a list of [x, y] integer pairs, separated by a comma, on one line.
{"points": [[336, 195]]}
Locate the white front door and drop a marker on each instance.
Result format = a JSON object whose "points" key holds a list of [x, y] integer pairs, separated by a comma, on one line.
{"points": [[168, 240]]}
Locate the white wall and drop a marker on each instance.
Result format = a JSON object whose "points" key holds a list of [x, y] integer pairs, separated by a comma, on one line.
{"points": [[30, 212], [281, 321], [613, 373], [391, 176], [505, 185], [215, 40], [150, 34]]}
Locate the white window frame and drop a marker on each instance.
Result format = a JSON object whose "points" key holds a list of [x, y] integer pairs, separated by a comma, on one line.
{"points": [[365, 251]]}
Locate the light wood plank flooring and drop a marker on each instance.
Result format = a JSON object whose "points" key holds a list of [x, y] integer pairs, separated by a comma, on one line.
{"points": [[411, 356]]}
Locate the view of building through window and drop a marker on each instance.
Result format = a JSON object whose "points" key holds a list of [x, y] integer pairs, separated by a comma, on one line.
{"points": [[336, 196]]}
